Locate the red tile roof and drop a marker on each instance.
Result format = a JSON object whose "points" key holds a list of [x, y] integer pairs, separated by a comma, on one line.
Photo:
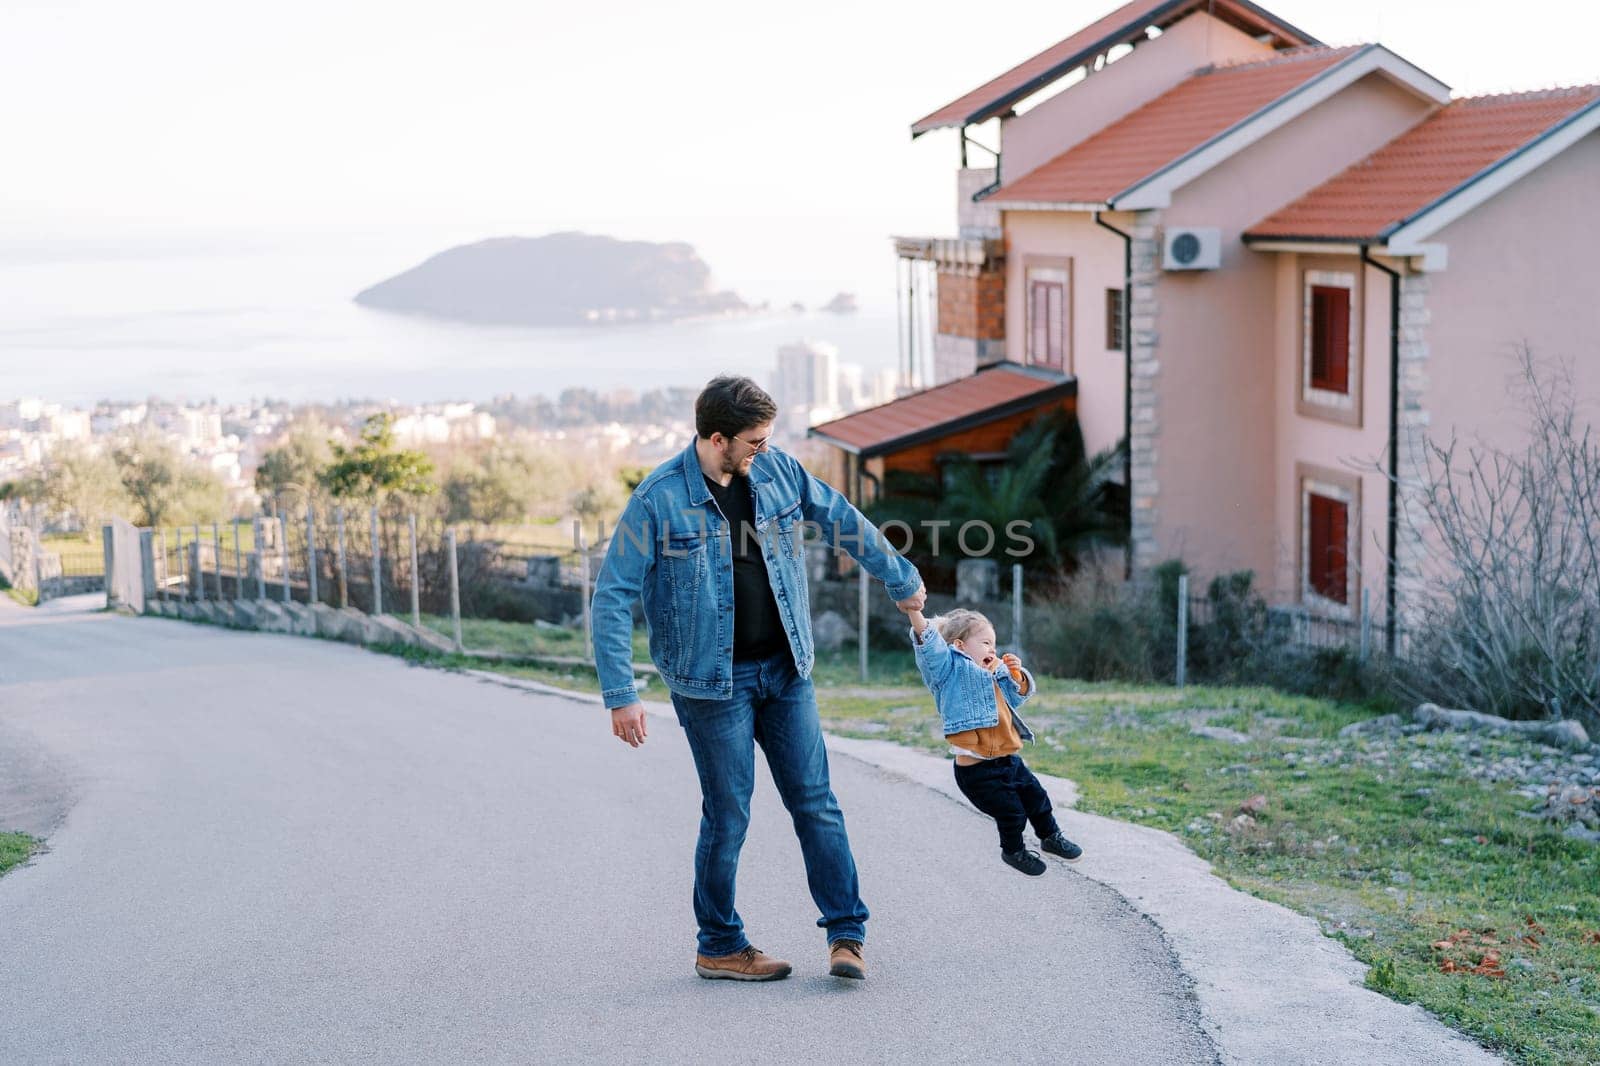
{"points": [[1125, 25], [1422, 165], [1168, 127], [995, 391]]}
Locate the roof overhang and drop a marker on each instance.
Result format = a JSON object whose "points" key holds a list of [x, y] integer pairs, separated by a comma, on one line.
{"points": [[1155, 190], [1428, 258], [1042, 205], [1243, 11], [1413, 231], [1066, 387]]}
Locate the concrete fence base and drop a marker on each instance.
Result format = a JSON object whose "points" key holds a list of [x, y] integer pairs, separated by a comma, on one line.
{"points": [[297, 619]]}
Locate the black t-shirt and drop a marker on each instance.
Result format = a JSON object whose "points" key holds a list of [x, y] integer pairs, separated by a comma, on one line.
{"points": [[757, 626]]}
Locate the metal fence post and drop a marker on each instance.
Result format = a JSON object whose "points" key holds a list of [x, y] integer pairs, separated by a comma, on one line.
{"points": [[861, 631], [344, 571], [199, 568], [583, 570], [260, 557], [311, 556], [1366, 626], [416, 601], [183, 565], [455, 589], [1183, 629], [377, 566], [1016, 608], [283, 552], [216, 556]]}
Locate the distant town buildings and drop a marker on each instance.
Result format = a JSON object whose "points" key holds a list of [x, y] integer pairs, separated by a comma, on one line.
{"points": [[810, 385]]}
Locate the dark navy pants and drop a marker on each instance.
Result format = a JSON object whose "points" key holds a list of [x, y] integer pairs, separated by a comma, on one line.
{"points": [[1006, 790]]}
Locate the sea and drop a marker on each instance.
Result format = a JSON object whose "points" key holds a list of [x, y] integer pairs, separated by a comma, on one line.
{"points": [[233, 321]]}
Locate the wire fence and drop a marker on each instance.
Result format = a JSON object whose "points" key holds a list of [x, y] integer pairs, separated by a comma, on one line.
{"points": [[382, 563], [421, 571]]}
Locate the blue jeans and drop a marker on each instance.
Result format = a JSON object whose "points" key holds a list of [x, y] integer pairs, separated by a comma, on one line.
{"points": [[771, 705]]}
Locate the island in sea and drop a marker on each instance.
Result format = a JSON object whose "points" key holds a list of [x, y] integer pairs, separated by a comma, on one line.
{"points": [[560, 279]]}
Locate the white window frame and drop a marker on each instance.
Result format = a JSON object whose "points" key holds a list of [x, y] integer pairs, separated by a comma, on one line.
{"points": [[1061, 275], [1309, 596], [1341, 401]]}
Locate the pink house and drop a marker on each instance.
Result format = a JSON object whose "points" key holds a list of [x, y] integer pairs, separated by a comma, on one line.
{"points": [[1274, 267]]}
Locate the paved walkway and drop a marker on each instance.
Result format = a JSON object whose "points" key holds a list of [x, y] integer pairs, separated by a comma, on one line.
{"points": [[273, 849]]}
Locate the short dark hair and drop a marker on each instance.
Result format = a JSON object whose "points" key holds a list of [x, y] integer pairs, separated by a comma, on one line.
{"points": [[730, 405]]}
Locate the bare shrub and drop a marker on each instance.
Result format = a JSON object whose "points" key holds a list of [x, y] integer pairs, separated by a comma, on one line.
{"points": [[1509, 609]]}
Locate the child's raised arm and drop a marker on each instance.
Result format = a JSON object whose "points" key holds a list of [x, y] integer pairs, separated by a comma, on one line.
{"points": [[933, 654]]}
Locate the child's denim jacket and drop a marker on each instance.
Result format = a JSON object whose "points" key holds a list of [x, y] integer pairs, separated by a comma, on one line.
{"points": [[964, 691]]}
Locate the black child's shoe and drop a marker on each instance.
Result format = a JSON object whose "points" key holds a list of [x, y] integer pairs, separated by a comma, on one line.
{"points": [[1060, 845], [1026, 861]]}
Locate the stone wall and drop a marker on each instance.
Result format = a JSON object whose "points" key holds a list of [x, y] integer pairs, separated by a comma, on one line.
{"points": [[1146, 367], [1411, 446]]}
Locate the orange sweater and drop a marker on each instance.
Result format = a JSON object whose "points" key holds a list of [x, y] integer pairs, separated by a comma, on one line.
{"points": [[991, 742]]}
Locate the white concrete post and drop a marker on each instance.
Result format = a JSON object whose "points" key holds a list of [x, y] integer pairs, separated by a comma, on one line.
{"points": [[108, 556], [161, 572], [416, 596], [455, 588], [283, 552], [377, 566], [260, 557]]}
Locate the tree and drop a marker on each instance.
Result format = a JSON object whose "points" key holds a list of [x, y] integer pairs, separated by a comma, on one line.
{"points": [[507, 481], [165, 487], [600, 497], [374, 470], [289, 473], [79, 484]]}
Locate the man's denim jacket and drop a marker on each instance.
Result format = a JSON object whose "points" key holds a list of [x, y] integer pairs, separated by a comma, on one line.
{"points": [[673, 550], [964, 691]]}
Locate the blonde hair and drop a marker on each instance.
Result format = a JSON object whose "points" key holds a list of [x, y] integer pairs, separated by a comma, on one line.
{"points": [[959, 624]]}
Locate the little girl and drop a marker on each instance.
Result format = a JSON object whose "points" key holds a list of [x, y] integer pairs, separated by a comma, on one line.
{"points": [[977, 693]]}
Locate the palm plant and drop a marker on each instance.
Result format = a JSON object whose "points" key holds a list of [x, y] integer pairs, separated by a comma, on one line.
{"points": [[1047, 481]]}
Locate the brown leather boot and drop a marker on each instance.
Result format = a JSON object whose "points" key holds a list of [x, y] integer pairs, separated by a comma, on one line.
{"points": [[844, 959], [751, 964]]}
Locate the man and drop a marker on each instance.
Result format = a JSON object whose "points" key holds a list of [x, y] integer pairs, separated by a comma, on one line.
{"points": [[713, 544]]}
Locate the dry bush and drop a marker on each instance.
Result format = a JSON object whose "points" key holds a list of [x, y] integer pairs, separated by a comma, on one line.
{"points": [[1509, 610]]}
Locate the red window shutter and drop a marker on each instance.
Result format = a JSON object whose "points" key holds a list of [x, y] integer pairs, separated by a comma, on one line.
{"points": [[1330, 338], [1327, 548]]}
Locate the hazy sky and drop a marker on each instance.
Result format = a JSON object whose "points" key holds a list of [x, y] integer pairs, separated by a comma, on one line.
{"points": [[699, 119]]}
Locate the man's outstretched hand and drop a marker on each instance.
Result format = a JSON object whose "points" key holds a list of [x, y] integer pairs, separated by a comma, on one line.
{"points": [[627, 724], [914, 602]]}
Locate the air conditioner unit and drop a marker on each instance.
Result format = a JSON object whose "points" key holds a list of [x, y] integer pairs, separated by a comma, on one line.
{"points": [[1193, 248]]}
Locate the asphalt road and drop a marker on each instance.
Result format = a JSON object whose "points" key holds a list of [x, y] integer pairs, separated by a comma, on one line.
{"points": [[273, 849]]}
